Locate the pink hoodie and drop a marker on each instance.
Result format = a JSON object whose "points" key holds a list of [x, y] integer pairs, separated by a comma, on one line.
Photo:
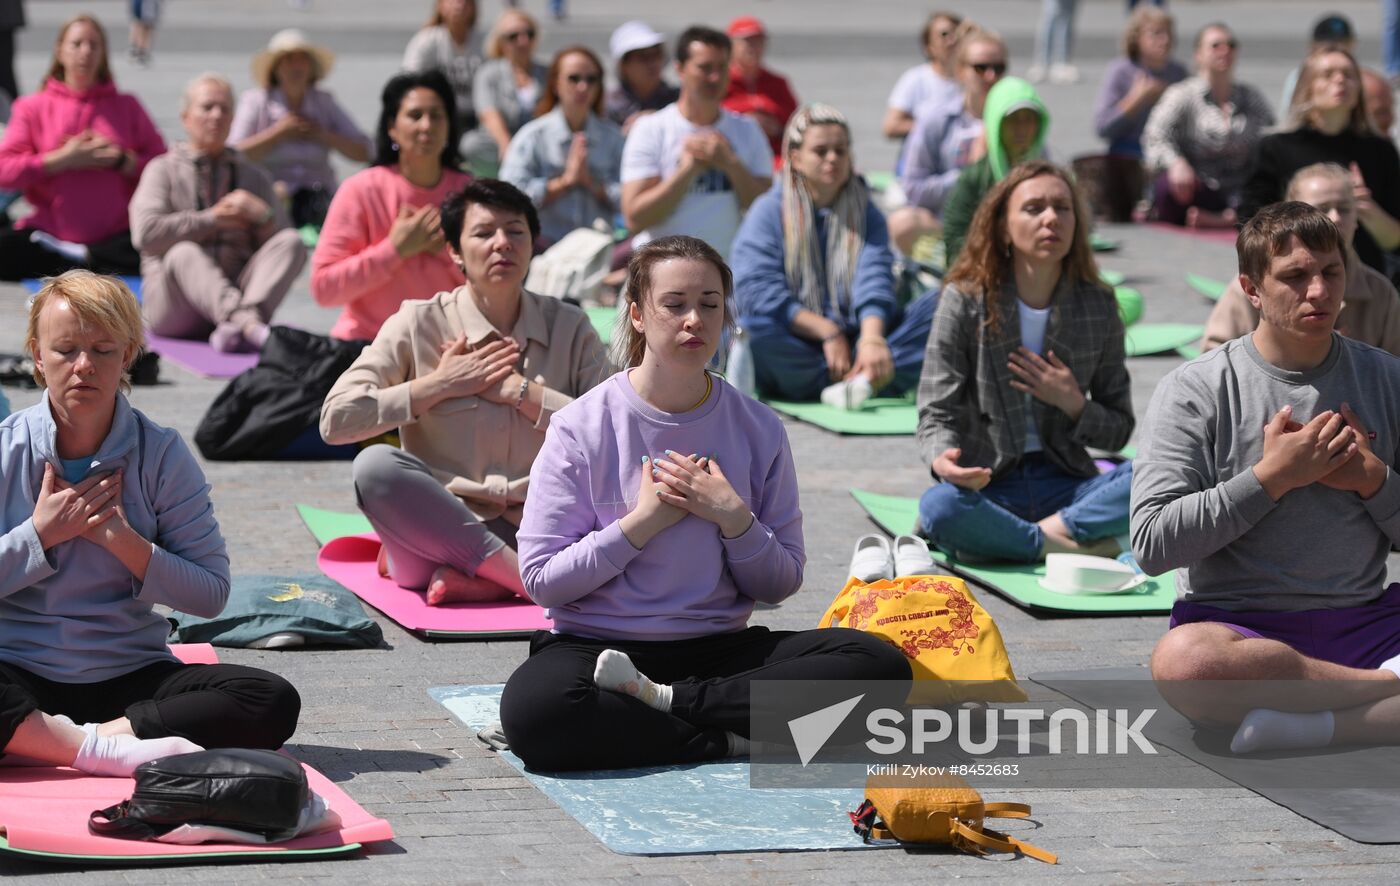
{"points": [[81, 205]]}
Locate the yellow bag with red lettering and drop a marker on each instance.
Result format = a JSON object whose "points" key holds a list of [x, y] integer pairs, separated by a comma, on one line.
{"points": [[953, 646]]}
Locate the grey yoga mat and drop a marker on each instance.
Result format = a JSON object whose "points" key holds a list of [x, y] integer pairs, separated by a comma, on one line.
{"points": [[1364, 814]]}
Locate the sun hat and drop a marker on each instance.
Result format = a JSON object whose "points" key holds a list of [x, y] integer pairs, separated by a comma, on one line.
{"points": [[631, 36], [1084, 574], [745, 26], [284, 43]]}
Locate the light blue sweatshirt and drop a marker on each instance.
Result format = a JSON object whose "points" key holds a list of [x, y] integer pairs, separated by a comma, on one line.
{"points": [[74, 613], [689, 581]]}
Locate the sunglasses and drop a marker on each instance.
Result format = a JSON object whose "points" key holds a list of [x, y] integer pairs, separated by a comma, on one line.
{"points": [[1228, 44], [590, 79], [528, 34], [997, 68]]}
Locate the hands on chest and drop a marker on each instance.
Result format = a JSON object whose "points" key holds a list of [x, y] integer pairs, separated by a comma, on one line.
{"points": [[1333, 449], [675, 485]]}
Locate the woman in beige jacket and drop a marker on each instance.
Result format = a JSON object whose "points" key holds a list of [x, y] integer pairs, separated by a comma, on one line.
{"points": [[470, 379], [1371, 309]]}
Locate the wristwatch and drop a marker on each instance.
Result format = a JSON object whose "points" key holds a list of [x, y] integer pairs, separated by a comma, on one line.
{"points": [[524, 389]]}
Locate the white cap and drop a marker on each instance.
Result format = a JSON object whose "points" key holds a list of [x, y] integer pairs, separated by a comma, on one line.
{"points": [[631, 36]]}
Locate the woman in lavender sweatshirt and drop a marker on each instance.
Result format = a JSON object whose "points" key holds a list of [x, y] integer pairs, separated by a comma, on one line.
{"points": [[662, 507], [104, 513]]}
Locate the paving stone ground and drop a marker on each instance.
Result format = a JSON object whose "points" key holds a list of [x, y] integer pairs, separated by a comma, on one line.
{"points": [[461, 815]]}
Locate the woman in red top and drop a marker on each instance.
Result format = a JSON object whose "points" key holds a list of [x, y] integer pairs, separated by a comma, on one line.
{"points": [[753, 89]]}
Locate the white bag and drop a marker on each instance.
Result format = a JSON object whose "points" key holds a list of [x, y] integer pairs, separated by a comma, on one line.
{"points": [[573, 267]]}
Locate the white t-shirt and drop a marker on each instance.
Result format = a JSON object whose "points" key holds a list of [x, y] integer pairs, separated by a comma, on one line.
{"points": [[710, 209], [921, 85], [1033, 324]]}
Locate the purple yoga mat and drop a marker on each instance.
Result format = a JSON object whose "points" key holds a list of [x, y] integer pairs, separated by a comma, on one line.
{"points": [[351, 561], [198, 357]]}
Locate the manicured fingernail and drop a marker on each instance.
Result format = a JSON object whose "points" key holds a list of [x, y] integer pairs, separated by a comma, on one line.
{"points": [[646, 458], [669, 452], [658, 493]]}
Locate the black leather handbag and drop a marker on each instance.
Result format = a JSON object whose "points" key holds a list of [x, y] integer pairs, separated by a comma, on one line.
{"points": [[262, 792]]}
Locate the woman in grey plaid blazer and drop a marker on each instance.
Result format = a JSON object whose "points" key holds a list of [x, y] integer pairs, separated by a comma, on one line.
{"points": [[1024, 369]]}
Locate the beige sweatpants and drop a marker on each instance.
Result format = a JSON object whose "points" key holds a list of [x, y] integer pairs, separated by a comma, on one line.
{"points": [[190, 295]]}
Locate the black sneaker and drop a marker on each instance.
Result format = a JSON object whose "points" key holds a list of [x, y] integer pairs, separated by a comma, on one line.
{"points": [[146, 369]]}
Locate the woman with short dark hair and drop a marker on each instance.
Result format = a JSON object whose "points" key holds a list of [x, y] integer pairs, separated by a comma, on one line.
{"points": [[470, 378]]}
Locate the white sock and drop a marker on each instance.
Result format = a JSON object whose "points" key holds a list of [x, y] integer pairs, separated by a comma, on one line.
{"points": [[616, 673], [89, 728], [1392, 665], [72, 251], [119, 755], [738, 745], [1266, 730]]}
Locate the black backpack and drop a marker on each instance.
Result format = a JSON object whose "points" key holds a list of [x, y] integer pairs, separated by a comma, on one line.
{"points": [[266, 409]]}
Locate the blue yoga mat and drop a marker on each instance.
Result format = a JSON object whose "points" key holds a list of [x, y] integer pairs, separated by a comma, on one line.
{"points": [[677, 810], [31, 284]]}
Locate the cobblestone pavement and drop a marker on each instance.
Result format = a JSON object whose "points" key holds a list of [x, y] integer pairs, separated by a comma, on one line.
{"points": [[462, 816]]}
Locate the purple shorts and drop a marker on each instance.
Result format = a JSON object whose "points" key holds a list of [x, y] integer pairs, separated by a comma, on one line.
{"points": [[1360, 637]]}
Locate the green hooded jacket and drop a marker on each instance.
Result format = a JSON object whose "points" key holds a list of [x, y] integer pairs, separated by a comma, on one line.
{"points": [[1010, 94]]}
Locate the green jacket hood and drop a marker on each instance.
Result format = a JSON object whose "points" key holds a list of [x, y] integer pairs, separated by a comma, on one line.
{"points": [[1007, 95]]}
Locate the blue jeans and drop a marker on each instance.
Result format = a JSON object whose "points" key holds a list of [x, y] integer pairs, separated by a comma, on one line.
{"points": [[999, 521], [791, 368], [1054, 42], [1390, 36]]}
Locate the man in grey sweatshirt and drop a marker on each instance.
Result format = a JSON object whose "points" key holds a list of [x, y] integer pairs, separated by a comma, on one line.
{"points": [[1266, 479]]}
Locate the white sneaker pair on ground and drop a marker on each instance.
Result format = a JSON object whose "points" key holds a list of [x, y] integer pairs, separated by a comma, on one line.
{"points": [[849, 394], [875, 558]]}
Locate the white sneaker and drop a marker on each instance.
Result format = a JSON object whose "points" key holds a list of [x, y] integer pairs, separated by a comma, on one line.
{"points": [[872, 558], [1064, 74], [912, 557], [1035, 74], [849, 395]]}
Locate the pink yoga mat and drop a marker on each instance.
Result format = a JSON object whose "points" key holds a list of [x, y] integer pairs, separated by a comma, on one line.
{"points": [[351, 561], [45, 809], [198, 357]]}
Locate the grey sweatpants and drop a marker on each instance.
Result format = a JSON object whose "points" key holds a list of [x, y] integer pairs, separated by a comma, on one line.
{"points": [[190, 295], [420, 523]]}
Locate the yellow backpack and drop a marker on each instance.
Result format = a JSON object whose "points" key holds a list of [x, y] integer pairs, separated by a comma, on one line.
{"points": [[938, 810], [946, 634]]}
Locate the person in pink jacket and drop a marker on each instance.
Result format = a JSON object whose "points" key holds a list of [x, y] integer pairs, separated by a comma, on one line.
{"points": [[382, 241], [76, 148]]}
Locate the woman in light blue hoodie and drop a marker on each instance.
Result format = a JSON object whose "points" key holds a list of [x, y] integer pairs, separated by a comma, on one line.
{"points": [[104, 513]]}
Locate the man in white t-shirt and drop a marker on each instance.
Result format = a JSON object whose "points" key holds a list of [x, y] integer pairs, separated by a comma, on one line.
{"points": [[693, 167]]}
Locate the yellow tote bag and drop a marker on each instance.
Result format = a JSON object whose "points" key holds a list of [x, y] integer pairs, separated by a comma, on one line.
{"points": [[946, 634]]}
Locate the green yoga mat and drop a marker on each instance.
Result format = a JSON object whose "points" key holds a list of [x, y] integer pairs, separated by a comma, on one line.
{"points": [[1211, 289], [1099, 243], [603, 320], [1019, 583], [1145, 339], [879, 181], [310, 235], [1112, 278], [328, 525], [1130, 304], [890, 416]]}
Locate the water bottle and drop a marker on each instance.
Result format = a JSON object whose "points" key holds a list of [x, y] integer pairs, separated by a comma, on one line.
{"points": [[738, 364]]}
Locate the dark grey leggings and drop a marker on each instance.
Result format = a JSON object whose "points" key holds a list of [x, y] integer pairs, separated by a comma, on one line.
{"points": [[422, 525]]}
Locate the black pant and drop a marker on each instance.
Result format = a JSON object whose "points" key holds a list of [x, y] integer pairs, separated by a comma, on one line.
{"points": [[214, 706], [7, 63], [556, 718], [20, 258]]}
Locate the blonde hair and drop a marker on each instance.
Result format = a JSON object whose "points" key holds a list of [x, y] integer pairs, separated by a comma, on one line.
{"points": [[1333, 171], [97, 301], [494, 48], [1145, 16], [804, 258], [1300, 106], [104, 70], [629, 345], [970, 34]]}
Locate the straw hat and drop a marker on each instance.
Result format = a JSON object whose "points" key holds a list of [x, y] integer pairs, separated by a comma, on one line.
{"points": [[284, 43]]}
